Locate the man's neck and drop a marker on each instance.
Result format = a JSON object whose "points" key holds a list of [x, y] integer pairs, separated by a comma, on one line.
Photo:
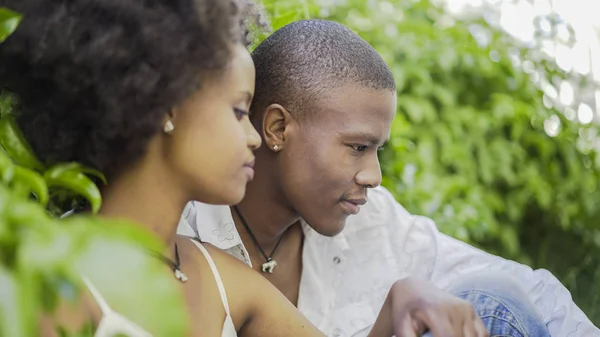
{"points": [[271, 218], [269, 222], [265, 214]]}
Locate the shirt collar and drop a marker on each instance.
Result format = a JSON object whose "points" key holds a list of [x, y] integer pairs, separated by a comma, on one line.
{"points": [[214, 224], [310, 234]]}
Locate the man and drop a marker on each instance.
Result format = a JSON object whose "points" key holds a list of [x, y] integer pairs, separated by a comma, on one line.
{"points": [[324, 105]]}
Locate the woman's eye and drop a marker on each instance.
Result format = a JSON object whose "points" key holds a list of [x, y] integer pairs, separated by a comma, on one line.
{"points": [[381, 148], [240, 113]]}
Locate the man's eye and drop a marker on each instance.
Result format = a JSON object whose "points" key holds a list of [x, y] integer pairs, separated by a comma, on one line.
{"points": [[359, 148], [240, 113]]}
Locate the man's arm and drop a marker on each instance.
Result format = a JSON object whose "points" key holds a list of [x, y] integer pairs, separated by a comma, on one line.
{"points": [[423, 251], [553, 301]]}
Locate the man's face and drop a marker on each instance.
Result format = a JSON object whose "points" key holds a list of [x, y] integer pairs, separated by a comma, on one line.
{"points": [[331, 158]]}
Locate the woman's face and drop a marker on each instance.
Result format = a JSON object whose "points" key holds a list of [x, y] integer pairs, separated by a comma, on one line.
{"points": [[210, 150]]}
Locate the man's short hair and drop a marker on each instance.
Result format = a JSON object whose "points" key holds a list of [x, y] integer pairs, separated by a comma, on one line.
{"points": [[301, 62]]}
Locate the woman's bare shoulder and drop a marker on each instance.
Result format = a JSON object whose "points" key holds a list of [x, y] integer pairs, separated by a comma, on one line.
{"points": [[257, 307]]}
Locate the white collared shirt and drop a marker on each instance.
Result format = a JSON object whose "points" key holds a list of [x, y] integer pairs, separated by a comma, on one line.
{"points": [[345, 279]]}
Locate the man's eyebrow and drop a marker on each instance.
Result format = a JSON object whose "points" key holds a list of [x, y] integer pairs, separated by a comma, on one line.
{"points": [[371, 139]]}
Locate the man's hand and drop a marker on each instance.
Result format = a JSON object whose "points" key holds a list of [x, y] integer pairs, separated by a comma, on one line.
{"points": [[414, 306]]}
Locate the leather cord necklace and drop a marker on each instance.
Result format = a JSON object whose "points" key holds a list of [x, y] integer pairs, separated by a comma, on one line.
{"points": [[270, 264], [175, 265]]}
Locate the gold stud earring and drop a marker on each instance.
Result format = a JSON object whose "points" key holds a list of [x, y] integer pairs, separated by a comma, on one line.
{"points": [[169, 127], [275, 147]]}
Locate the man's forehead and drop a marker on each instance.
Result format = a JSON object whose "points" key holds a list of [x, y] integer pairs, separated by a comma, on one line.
{"points": [[360, 107], [361, 118]]}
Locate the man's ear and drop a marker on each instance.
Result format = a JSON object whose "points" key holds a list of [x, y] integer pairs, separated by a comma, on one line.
{"points": [[276, 121]]}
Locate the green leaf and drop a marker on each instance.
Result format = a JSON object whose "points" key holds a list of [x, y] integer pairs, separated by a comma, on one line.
{"points": [[7, 168], [76, 167], [104, 257], [16, 309], [14, 143], [10, 312], [67, 176], [33, 182], [9, 21]]}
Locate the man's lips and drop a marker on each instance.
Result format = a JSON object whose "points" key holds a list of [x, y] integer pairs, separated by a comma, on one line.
{"points": [[352, 206]]}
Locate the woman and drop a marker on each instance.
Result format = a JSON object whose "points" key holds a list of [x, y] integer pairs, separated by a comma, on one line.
{"points": [[156, 95]]}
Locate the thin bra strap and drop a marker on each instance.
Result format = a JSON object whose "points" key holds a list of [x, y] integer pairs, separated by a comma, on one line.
{"points": [[216, 275], [104, 307]]}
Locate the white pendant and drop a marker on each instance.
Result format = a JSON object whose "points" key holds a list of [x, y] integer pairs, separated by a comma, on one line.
{"points": [[268, 266], [180, 276]]}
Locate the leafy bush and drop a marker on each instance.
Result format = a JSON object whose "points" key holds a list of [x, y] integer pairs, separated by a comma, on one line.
{"points": [[468, 146], [42, 259]]}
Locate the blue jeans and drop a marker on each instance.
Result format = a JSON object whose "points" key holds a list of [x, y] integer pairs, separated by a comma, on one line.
{"points": [[502, 305]]}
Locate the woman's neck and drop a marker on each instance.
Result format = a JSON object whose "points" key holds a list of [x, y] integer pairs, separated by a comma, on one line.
{"points": [[148, 198]]}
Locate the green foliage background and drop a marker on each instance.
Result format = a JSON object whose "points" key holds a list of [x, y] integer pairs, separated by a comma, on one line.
{"points": [[468, 146], [468, 149]]}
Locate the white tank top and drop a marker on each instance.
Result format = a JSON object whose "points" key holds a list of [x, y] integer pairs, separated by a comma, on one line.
{"points": [[113, 323]]}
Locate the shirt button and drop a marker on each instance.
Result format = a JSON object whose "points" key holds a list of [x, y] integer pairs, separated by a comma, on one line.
{"points": [[337, 333], [337, 260]]}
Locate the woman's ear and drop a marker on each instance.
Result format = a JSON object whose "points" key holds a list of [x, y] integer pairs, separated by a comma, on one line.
{"points": [[168, 122]]}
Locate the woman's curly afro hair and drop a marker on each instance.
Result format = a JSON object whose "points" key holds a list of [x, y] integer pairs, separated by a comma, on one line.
{"points": [[95, 78]]}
